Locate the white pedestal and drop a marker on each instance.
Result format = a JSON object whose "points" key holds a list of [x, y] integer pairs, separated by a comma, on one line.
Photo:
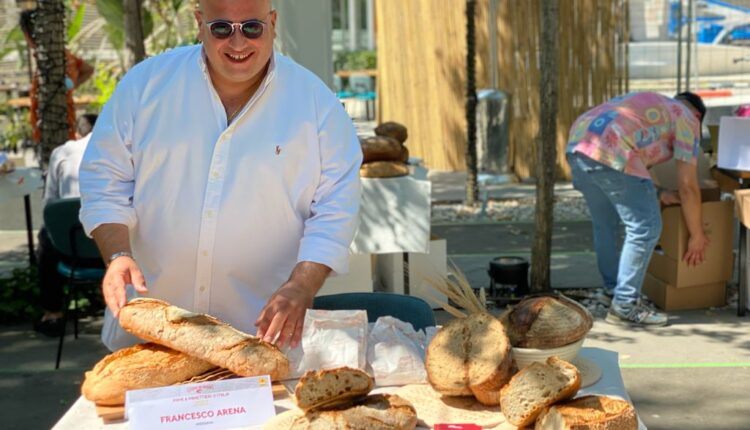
{"points": [[389, 272], [358, 280]]}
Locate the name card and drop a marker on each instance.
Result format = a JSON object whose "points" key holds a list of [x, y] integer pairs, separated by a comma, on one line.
{"points": [[241, 402]]}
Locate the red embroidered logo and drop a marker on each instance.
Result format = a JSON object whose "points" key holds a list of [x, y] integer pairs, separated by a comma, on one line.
{"points": [[278, 150]]}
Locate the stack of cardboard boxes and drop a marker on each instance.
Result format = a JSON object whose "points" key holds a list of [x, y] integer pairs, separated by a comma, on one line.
{"points": [[670, 282]]}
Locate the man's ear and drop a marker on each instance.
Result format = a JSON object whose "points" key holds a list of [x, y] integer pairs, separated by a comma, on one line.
{"points": [[199, 21]]}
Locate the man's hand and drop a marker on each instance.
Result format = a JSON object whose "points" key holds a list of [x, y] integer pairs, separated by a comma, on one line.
{"points": [[669, 198], [695, 253], [284, 315], [121, 271]]}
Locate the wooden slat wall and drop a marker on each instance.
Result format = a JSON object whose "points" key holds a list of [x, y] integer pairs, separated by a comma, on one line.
{"points": [[422, 77]]}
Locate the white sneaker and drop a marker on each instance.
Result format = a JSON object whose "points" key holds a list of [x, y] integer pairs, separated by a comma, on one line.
{"points": [[636, 315]]}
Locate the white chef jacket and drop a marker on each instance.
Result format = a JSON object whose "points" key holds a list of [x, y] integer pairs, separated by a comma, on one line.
{"points": [[62, 174], [219, 215]]}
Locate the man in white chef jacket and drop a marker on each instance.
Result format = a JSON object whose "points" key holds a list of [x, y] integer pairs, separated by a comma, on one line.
{"points": [[222, 178]]}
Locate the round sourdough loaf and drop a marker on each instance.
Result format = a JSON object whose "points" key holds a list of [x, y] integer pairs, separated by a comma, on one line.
{"points": [[383, 169], [392, 129], [381, 148], [548, 321], [589, 413], [470, 356]]}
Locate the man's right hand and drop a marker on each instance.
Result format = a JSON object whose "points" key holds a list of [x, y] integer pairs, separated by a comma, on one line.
{"points": [[696, 249], [121, 272]]}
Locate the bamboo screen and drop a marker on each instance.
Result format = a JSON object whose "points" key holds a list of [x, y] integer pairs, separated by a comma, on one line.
{"points": [[422, 77]]}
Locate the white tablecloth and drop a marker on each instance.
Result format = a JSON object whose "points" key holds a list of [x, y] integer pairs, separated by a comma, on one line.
{"points": [[82, 415], [394, 216]]}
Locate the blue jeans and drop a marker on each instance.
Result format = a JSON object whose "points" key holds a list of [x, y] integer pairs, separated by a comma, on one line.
{"points": [[614, 197]]}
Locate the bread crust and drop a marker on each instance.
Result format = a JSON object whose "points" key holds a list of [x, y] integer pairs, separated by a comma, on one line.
{"points": [[381, 148], [140, 366], [394, 130], [332, 383], [383, 169], [545, 322], [379, 411], [204, 337], [589, 413], [569, 391]]}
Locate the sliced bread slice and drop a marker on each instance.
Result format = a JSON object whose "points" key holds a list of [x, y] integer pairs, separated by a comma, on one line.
{"points": [[537, 386], [470, 356], [330, 387], [589, 413]]}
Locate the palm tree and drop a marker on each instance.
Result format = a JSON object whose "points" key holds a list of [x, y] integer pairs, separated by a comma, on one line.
{"points": [[135, 48], [49, 36], [546, 149]]}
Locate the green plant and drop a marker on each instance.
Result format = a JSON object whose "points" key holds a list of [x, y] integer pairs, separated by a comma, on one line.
{"points": [[105, 81], [355, 60], [19, 296], [16, 129]]}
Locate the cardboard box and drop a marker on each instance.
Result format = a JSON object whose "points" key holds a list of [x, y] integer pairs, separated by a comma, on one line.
{"points": [[671, 298], [727, 184], [389, 272], [666, 263], [717, 223], [358, 280], [742, 206]]}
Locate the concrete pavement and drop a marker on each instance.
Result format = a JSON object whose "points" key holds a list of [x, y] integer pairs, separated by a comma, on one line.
{"points": [[693, 374]]}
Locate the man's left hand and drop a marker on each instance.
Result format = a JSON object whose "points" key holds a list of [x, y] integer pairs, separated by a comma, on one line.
{"points": [[284, 314]]}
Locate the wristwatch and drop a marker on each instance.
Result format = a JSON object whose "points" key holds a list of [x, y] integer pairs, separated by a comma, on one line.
{"points": [[118, 254]]}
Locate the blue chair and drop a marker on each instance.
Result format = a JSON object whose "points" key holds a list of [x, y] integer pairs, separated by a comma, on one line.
{"points": [[406, 308], [80, 263]]}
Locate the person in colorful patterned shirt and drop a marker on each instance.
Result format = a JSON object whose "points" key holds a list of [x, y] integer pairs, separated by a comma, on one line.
{"points": [[610, 150]]}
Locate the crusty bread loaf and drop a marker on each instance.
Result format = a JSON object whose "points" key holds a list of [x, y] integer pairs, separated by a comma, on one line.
{"points": [[331, 387], [537, 386], [204, 337], [546, 322], [381, 148], [376, 412], [383, 169], [470, 356], [589, 413], [392, 129], [140, 366]]}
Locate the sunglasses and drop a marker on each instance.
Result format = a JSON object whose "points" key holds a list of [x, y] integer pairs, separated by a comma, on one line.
{"points": [[223, 29]]}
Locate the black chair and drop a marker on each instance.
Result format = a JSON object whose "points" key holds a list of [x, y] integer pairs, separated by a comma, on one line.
{"points": [[406, 308], [80, 263]]}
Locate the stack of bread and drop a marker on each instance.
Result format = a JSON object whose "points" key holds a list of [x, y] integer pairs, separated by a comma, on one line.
{"points": [[471, 356], [183, 345], [384, 155], [338, 399]]}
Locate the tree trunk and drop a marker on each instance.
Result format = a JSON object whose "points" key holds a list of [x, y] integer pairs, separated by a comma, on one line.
{"points": [[135, 50], [49, 35], [546, 149], [472, 189]]}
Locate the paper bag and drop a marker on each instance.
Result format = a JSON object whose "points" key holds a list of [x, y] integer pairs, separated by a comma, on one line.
{"points": [[396, 352]]}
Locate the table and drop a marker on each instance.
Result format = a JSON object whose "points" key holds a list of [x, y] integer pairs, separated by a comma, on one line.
{"points": [[743, 177], [82, 415], [21, 183]]}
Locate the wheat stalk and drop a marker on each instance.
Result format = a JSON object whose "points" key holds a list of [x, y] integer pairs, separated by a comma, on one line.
{"points": [[460, 292]]}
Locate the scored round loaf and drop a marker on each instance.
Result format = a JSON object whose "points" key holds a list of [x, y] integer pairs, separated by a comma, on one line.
{"points": [[392, 129], [379, 411], [141, 366], [470, 356], [204, 337], [330, 387], [382, 148], [589, 413], [383, 169], [546, 322]]}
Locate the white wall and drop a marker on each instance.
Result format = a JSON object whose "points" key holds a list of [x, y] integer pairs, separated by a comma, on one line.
{"points": [[649, 18], [303, 32]]}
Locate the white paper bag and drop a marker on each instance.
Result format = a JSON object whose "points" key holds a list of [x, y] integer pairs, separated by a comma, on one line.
{"points": [[330, 339], [396, 353]]}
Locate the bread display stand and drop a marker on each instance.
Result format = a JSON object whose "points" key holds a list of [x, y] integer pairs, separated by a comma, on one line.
{"points": [[82, 414]]}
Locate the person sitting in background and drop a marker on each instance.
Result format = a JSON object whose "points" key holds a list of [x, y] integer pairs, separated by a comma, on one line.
{"points": [[610, 149], [61, 183], [77, 72]]}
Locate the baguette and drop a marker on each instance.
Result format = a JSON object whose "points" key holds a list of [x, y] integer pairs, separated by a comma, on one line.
{"points": [[537, 386], [589, 413], [331, 387], [204, 337], [381, 412], [140, 366], [470, 356]]}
